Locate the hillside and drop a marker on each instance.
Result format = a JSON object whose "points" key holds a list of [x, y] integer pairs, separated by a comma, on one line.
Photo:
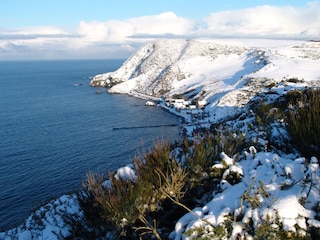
{"points": [[223, 74]]}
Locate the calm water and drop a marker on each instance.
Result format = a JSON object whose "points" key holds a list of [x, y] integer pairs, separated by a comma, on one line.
{"points": [[52, 132]]}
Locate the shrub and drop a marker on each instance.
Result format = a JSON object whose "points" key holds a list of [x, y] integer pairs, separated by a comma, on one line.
{"points": [[294, 80], [120, 203], [199, 157], [127, 204], [178, 96], [205, 152], [271, 230], [131, 206], [303, 122], [207, 232], [254, 195], [161, 175], [92, 226], [266, 113]]}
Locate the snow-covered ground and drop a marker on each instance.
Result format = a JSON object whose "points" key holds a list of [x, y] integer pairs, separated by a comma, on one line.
{"points": [[50, 221], [225, 74], [280, 183]]}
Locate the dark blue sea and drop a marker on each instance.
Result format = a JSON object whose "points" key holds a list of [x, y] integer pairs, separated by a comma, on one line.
{"points": [[54, 128]]}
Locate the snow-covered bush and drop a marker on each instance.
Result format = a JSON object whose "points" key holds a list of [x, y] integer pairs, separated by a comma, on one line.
{"points": [[260, 207], [205, 151]]}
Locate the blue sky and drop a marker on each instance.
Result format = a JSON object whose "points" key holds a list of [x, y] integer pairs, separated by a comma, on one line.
{"points": [[22, 13], [43, 29]]}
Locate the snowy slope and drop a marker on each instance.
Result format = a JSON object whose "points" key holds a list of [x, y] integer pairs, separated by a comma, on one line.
{"points": [[224, 72], [280, 185]]}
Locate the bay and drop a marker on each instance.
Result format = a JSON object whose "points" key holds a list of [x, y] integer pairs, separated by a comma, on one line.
{"points": [[54, 128]]}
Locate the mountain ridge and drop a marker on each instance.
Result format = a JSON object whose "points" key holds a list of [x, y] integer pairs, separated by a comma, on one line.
{"points": [[221, 72]]}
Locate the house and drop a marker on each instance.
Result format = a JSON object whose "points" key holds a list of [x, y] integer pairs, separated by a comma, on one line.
{"points": [[201, 103]]}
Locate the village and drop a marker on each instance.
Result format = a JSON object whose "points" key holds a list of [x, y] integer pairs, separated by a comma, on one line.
{"points": [[193, 111]]}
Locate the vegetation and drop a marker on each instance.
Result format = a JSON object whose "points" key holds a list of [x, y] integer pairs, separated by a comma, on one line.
{"points": [[205, 149], [270, 229], [163, 182], [300, 111], [303, 121], [171, 180], [129, 205]]}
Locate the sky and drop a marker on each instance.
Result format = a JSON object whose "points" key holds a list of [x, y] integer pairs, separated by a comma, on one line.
{"points": [[102, 29]]}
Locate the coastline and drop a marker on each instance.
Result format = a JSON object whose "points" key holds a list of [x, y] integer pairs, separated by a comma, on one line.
{"points": [[251, 160]]}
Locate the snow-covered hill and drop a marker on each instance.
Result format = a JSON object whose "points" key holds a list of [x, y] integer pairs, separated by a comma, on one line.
{"points": [[223, 73]]}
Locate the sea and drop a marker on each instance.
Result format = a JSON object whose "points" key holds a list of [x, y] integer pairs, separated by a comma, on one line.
{"points": [[54, 128]]}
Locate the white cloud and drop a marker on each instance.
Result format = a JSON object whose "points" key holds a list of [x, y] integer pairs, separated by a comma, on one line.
{"points": [[165, 23], [112, 38], [266, 21], [120, 31], [119, 38], [45, 30]]}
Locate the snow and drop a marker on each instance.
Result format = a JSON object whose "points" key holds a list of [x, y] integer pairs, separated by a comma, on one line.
{"points": [[283, 203], [49, 221], [223, 74], [124, 87], [226, 159], [126, 173], [150, 103]]}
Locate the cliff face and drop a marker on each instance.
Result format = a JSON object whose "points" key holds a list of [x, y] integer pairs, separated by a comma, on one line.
{"points": [[222, 73]]}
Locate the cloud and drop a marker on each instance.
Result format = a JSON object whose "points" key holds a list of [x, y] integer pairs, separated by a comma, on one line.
{"points": [[119, 38], [111, 38], [165, 23], [10, 47], [35, 42], [14, 36], [266, 21], [121, 31], [34, 32]]}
